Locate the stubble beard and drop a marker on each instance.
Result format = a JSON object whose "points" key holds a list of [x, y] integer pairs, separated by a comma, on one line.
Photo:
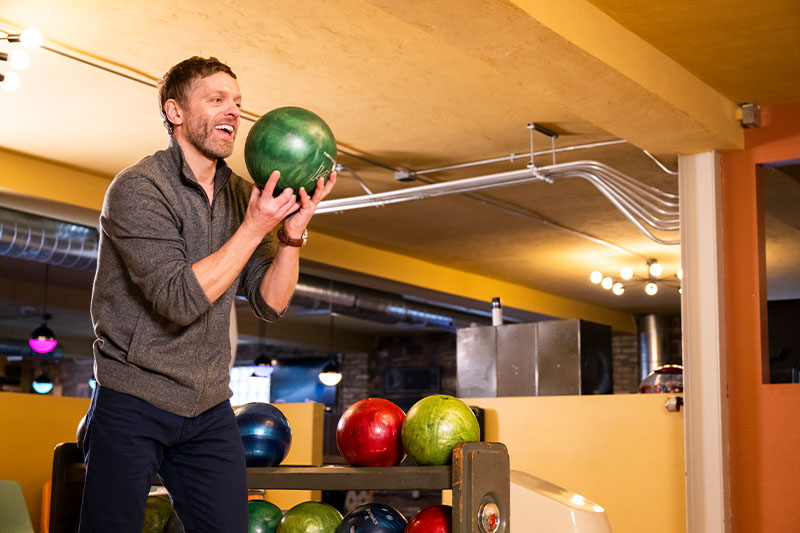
{"points": [[202, 135]]}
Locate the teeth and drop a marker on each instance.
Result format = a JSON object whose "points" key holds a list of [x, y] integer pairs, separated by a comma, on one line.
{"points": [[225, 127]]}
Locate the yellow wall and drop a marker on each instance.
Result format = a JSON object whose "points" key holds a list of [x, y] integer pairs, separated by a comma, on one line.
{"points": [[624, 452], [307, 422], [32, 425]]}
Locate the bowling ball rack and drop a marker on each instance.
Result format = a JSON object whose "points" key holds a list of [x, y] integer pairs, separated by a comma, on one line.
{"points": [[479, 478]]}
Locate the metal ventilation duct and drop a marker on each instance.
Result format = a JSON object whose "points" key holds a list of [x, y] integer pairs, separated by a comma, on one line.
{"points": [[36, 238], [46, 240], [653, 339]]}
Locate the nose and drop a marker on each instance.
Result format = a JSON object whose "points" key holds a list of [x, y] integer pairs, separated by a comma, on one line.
{"points": [[233, 110]]}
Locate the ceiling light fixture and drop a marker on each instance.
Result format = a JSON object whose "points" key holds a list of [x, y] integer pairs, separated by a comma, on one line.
{"points": [[263, 367], [9, 81], [42, 384], [30, 38], [654, 267], [42, 339], [650, 280], [330, 374], [17, 59]]}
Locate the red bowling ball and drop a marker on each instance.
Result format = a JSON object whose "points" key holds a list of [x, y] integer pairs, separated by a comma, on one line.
{"points": [[368, 433], [436, 519]]}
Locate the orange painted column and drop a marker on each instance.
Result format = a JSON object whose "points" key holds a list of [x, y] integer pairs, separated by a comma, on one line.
{"points": [[764, 418]]}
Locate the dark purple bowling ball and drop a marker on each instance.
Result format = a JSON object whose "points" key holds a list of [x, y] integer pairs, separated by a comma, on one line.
{"points": [[373, 518], [265, 432]]}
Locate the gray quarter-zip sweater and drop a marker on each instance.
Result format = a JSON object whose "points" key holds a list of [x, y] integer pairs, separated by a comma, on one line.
{"points": [[159, 338]]}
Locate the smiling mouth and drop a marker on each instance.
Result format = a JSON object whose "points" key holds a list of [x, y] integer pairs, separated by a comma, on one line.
{"points": [[225, 128]]}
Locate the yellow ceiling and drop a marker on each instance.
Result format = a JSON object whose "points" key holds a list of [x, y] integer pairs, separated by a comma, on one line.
{"points": [[748, 51]]}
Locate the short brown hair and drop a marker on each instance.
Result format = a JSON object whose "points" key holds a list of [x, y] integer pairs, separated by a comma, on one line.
{"points": [[178, 80]]}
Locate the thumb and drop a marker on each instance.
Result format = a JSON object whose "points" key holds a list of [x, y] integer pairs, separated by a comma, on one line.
{"points": [[255, 194]]}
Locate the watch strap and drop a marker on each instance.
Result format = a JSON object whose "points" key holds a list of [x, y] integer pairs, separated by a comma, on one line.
{"points": [[286, 240]]}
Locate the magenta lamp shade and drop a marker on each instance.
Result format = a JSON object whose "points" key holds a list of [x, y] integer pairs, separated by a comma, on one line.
{"points": [[42, 340]]}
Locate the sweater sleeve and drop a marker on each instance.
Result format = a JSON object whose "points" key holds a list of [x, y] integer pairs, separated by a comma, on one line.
{"points": [[141, 224], [252, 274]]}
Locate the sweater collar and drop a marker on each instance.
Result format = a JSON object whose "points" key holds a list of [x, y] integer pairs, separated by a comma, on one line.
{"points": [[221, 175]]}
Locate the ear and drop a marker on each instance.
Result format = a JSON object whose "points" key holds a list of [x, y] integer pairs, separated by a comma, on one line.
{"points": [[174, 111]]}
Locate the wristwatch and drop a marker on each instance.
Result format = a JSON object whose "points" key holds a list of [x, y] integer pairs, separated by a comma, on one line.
{"points": [[297, 243]]}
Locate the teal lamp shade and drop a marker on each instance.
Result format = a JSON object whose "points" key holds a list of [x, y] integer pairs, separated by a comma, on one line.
{"points": [[42, 384]]}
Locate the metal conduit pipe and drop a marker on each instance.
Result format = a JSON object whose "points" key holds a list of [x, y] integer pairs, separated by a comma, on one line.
{"points": [[37, 238], [633, 199]]}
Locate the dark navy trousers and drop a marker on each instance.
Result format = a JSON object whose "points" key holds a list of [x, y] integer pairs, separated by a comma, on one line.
{"points": [[200, 461]]}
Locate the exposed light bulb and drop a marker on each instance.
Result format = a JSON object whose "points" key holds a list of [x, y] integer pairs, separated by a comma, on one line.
{"points": [[680, 273], [607, 283], [618, 289], [19, 59], [9, 81], [626, 273], [651, 288], [655, 269], [596, 276], [31, 38]]}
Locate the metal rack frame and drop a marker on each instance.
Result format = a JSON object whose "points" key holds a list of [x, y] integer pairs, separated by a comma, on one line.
{"points": [[479, 478]]}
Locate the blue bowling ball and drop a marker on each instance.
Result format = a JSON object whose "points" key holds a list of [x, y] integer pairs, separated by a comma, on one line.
{"points": [[373, 518], [265, 432]]}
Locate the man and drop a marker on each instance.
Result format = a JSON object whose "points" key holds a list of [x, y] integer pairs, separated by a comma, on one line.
{"points": [[180, 234]]}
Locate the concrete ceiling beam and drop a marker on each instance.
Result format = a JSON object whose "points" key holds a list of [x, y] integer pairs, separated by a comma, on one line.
{"points": [[576, 56]]}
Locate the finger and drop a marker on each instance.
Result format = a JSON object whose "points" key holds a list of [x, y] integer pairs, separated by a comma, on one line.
{"points": [[269, 186], [305, 199], [255, 193], [325, 189], [288, 209]]}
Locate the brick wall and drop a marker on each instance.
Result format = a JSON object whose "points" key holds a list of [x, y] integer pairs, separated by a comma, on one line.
{"points": [[625, 360]]}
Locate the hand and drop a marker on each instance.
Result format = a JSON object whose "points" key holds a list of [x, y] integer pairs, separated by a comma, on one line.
{"points": [[266, 211], [296, 223]]}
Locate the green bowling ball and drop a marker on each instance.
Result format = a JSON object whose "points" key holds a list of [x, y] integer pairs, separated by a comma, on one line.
{"points": [[294, 141], [310, 517], [264, 516], [157, 513], [434, 425]]}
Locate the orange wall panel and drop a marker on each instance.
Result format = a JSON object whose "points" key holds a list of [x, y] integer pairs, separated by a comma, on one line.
{"points": [[764, 426]]}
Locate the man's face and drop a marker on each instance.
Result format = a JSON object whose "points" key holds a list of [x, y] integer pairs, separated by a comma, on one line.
{"points": [[212, 115]]}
